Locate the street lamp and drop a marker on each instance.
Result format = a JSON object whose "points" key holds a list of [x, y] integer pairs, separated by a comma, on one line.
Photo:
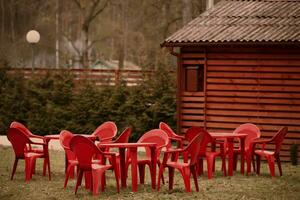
{"points": [[32, 38]]}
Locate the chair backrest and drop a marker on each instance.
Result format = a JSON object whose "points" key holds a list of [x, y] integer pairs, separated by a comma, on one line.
{"points": [[64, 139], [157, 136], [22, 127], [84, 150], [106, 131], [251, 130], [19, 140], [124, 137], [193, 148], [278, 138], [165, 127], [192, 132]]}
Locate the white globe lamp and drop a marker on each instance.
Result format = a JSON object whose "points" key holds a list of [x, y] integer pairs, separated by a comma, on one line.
{"points": [[32, 38]]}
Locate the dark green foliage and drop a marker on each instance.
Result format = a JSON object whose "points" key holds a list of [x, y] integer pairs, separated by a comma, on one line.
{"points": [[48, 104], [294, 154]]}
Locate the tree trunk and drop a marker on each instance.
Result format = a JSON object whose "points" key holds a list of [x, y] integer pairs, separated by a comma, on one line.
{"points": [[12, 20], [85, 39], [3, 20], [186, 11]]}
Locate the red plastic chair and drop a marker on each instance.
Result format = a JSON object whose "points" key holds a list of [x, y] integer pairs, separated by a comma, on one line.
{"points": [[85, 150], [20, 143], [173, 136], [44, 151], [71, 161], [271, 156], [161, 139], [253, 133], [210, 156], [186, 168], [122, 138], [106, 131]]}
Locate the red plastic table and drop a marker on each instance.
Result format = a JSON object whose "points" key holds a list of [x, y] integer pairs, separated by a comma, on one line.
{"points": [[230, 140], [56, 137], [132, 147]]}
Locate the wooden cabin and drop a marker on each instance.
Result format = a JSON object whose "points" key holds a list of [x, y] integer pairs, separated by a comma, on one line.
{"points": [[239, 62]]}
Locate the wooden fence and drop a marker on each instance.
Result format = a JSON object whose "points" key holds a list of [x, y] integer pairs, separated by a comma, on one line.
{"points": [[99, 77]]}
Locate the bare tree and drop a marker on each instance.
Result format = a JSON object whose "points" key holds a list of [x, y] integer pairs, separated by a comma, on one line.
{"points": [[89, 10]]}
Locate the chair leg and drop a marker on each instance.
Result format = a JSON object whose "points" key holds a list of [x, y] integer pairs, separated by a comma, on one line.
{"points": [[210, 163], [68, 174], [96, 183], [171, 177], [117, 176], [235, 157], [253, 162], [258, 164], [186, 173], [160, 174], [79, 179], [200, 167], [28, 168], [271, 164], [14, 168], [88, 180], [224, 165], [142, 173], [279, 164], [195, 177]]}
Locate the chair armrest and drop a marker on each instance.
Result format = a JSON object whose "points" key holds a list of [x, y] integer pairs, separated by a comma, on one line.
{"points": [[179, 150], [37, 136], [38, 143], [260, 141], [176, 139]]}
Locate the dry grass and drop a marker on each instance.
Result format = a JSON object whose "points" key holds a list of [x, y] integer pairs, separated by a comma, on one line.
{"points": [[236, 187]]}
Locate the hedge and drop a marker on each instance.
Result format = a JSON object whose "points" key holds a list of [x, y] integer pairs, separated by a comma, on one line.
{"points": [[48, 104]]}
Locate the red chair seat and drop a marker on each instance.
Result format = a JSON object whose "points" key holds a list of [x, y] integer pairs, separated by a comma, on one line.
{"points": [[264, 152]]}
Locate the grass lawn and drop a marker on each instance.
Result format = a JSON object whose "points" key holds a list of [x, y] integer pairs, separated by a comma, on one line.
{"points": [[235, 187]]}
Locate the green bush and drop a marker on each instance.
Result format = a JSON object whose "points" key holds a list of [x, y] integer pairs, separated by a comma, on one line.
{"points": [[50, 103], [294, 154]]}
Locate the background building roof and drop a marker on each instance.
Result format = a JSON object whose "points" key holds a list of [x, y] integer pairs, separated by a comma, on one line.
{"points": [[243, 21]]}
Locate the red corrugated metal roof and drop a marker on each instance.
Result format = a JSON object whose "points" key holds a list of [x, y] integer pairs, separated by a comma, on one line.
{"points": [[243, 21]]}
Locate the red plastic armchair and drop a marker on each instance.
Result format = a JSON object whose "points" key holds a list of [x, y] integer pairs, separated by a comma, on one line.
{"points": [[106, 131], [271, 156], [173, 136], [161, 139], [71, 161], [253, 133], [124, 136], [85, 150], [44, 151], [210, 155], [20, 143], [186, 168]]}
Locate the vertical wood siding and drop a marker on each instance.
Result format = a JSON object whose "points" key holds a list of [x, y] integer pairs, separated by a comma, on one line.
{"points": [[256, 85]]}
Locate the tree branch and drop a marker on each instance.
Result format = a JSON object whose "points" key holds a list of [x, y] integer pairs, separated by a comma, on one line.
{"points": [[78, 4], [99, 11], [73, 45]]}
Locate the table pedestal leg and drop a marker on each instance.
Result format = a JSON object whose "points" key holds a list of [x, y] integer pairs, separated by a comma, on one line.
{"points": [[242, 154], [153, 167], [123, 167], [133, 155], [230, 156]]}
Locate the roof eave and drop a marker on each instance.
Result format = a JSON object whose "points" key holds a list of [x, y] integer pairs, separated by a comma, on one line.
{"points": [[194, 44]]}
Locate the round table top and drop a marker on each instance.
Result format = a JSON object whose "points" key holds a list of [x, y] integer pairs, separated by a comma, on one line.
{"points": [[127, 145], [227, 135]]}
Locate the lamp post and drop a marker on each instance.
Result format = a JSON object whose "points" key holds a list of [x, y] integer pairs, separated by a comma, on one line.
{"points": [[32, 38]]}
